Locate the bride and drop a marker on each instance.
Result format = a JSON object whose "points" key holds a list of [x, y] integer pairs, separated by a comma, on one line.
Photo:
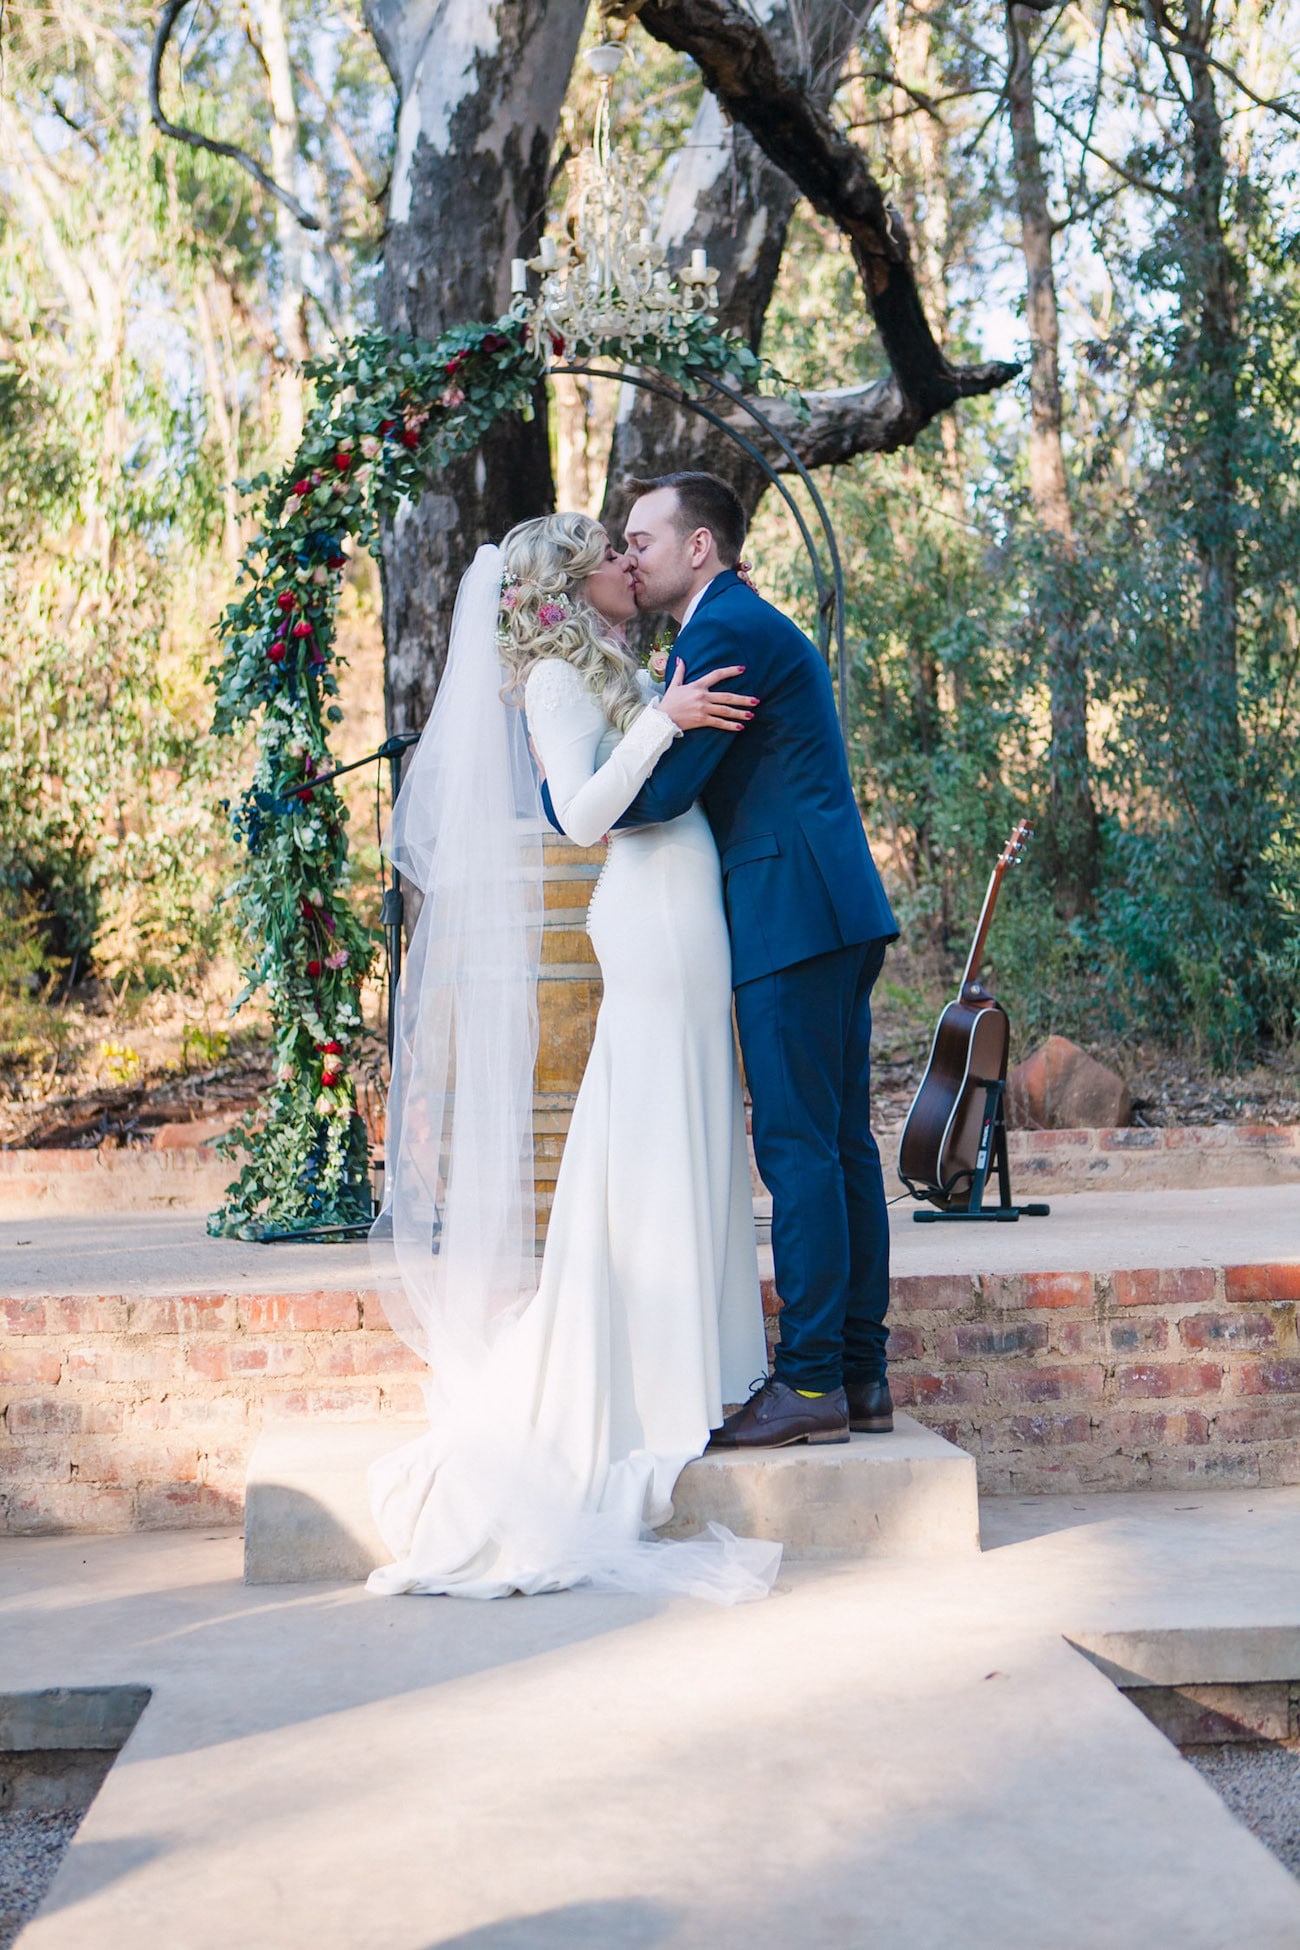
{"points": [[563, 1403]]}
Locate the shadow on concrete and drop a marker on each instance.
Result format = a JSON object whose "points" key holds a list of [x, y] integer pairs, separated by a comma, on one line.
{"points": [[332, 1538], [626, 1924], [89, 1867], [280, 1655]]}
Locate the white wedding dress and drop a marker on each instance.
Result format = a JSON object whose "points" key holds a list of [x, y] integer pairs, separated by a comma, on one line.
{"points": [[647, 1314]]}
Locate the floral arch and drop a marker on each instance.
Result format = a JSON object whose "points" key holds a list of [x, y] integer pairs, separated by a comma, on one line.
{"points": [[387, 416]]}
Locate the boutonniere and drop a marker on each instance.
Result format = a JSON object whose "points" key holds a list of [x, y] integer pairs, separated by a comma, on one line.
{"points": [[656, 657]]}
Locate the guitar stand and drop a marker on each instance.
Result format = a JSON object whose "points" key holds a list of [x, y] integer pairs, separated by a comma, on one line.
{"points": [[992, 1153]]}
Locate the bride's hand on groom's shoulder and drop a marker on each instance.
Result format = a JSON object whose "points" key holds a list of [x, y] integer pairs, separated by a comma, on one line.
{"points": [[697, 706]]}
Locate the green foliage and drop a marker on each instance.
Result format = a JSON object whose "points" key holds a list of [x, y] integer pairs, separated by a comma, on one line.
{"points": [[30, 1030]]}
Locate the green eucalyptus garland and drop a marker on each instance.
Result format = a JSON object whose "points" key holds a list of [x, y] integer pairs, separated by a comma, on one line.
{"points": [[387, 416]]}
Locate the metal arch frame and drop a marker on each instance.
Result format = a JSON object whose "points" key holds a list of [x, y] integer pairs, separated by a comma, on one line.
{"points": [[830, 587]]}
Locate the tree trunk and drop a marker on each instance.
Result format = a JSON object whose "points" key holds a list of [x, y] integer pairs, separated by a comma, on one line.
{"points": [[756, 87], [728, 199], [480, 88], [1212, 304], [291, 316], [1071, 838], [223, 423]]}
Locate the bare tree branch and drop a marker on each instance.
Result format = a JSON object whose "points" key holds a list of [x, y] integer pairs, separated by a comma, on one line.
{"points": [[1166, 35], [842, 421], [741, 68], [167, 21]]}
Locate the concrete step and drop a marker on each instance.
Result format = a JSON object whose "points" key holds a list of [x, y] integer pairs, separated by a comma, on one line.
{"points": [[909, 1494]]}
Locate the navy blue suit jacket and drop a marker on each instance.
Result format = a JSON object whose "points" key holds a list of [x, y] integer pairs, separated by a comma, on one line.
{"points": [[797, 870]]}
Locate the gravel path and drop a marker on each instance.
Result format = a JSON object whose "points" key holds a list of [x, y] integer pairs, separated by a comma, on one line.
{"points": [[31, 1849], [1261, 1786]]}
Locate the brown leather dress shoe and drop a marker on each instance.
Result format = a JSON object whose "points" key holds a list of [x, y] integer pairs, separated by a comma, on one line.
{"points": [[871, 1407], [775, 1416]]}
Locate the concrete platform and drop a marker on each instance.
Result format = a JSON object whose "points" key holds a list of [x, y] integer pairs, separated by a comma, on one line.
{"points": [[143, 1254], [883, 1754], [307, 1514], [909, 1494]]}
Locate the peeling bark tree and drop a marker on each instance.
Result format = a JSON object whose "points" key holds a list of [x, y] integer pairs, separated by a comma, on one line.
{"points": [[743, 68], [272, 44], [1213, 309], [479, 91], [729, 200], [1071, 838], [725, 197]]}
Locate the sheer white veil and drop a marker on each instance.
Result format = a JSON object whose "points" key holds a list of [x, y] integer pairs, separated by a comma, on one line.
{"points": [[484, 1491], [466, 830]]}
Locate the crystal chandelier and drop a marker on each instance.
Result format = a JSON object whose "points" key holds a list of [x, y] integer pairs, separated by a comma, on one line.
{"points": [[604, 277]]}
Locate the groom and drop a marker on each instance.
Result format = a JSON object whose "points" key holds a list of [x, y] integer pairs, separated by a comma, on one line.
{"points": [[809, 926]]}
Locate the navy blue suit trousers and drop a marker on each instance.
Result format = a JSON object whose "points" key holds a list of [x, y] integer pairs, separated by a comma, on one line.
{"points": [[805, 1034]]}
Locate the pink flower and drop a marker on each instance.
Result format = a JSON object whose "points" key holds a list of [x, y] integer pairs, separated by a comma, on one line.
{"points": [[549, 614], [453, 397], [509, 597], [657, 665], [339, 959]]}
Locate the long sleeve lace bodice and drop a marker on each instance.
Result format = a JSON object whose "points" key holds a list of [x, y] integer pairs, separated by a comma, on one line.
{"points": [[567, 726]]}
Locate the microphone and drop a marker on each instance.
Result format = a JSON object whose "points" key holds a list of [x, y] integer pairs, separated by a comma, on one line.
{"points": [[391, 748]]}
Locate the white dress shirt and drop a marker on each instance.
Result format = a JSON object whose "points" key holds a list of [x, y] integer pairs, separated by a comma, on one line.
{"points": [[695, 602]]}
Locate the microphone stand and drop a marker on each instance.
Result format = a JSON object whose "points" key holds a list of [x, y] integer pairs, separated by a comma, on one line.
{"points": [[392, 909]]}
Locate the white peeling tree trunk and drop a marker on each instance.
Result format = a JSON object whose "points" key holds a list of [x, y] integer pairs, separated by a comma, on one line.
{"points": [[480, 84], [726, 197], [291, 314]]}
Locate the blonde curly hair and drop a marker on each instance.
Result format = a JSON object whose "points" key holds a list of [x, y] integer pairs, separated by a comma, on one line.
{"points": [[544, 613]]}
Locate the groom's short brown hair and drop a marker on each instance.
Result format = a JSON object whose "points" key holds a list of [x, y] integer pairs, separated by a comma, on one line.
{"points": [[703, 501]]}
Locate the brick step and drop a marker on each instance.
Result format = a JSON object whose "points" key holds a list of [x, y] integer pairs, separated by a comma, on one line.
{"points": [[1127, 1342]]}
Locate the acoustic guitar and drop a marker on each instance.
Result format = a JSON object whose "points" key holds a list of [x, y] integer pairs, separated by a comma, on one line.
{"points": [[941, 1138]]}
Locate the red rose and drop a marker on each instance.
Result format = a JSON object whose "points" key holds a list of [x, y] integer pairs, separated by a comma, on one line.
{"points": [[557, 345], [343, 461], [314, 968], [411, 437], [307, 794], [385, 428], [301, 629], [305, 908], [286, 599], [301, 487], [494, 342], [455, 363], [335, 561], [331, 1048], [275, 651]]}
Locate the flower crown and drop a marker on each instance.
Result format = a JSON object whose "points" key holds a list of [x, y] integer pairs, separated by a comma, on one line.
{"points": [[550, 613]]}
